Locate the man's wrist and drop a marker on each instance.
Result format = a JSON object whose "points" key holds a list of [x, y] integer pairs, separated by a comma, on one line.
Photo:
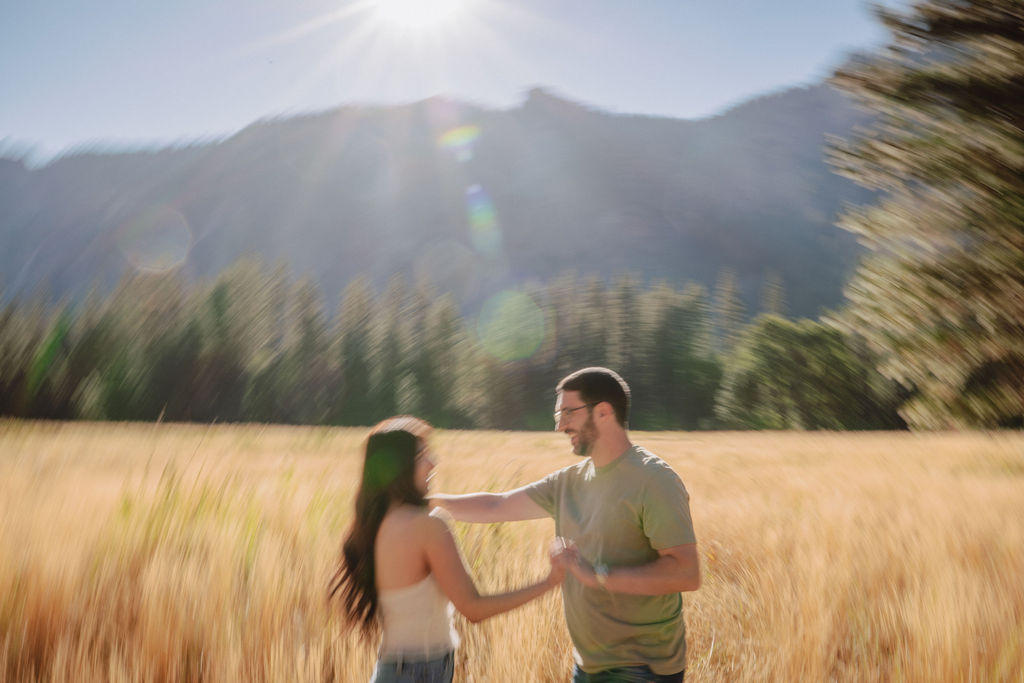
{"points": [[601, 574]]}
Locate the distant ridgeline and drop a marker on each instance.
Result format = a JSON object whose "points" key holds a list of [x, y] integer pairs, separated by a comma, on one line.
{"points": [[458, 261], [540, 239], [474, 201], [253, 344]]}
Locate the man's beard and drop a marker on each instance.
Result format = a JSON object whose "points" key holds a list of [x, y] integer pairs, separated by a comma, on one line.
{"points": [[585, 437]]}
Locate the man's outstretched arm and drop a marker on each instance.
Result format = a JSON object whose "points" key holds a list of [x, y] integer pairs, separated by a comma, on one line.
{"points": [[510, 506]]}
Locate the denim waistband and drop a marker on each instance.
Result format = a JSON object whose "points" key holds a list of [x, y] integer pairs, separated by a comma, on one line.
{"points": [[399, 659], [399, 668]]}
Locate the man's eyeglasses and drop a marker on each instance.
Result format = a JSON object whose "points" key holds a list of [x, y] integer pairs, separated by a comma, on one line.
{"points": [[566, 412]]}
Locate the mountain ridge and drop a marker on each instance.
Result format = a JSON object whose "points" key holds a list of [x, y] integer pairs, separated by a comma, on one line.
{"points": [[472, 198]]}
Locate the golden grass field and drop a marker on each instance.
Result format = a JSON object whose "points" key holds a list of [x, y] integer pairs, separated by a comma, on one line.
{"points": [[133, 552]]}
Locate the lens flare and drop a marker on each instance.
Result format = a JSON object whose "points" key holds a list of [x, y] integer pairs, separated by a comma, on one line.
{"points": [[156, 240], [382, 468], [484, 232], [510, 326], [460, 141]]}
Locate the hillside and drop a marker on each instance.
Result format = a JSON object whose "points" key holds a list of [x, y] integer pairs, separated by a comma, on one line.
{"points": [[476, 200]]}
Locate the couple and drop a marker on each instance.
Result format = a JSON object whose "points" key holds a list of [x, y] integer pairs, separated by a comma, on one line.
{"points": [[629, 547]]}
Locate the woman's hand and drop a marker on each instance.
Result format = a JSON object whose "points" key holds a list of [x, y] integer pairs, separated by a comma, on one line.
{"points": [[563, 555], [566, 552]]}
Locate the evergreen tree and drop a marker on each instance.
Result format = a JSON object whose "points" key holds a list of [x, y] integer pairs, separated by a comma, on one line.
{"points": [[773, 295], [625, 340], [592, 324], [421, 392], [23, 331], [441, 360], [942, 297], [353, 402], [682, 375], [221, 376], [561, 298], [311, 381], [136, 355], [728, 312], [272, 393]]}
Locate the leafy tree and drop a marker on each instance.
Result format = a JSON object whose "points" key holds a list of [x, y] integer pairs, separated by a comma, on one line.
{"points": [[942, 297], [803, 375]]}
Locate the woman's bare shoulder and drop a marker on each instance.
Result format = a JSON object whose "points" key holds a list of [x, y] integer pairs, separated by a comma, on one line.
{"points": [[406, 519], [401, 547], [415, 526]]}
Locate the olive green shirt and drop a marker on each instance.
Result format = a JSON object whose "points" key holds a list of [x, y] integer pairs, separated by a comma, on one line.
{"points": [[621, 515]]}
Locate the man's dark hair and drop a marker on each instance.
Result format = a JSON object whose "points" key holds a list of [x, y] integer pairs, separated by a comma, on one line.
{"points": [[596, 385]]}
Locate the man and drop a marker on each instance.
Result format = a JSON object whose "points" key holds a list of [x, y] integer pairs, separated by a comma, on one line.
{"points": [[626, 517]]}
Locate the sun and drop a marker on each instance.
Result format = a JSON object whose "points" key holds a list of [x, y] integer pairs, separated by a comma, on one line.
{"points": [[419, 15]]}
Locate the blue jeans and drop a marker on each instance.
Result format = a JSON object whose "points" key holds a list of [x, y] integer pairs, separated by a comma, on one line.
{"points": [[404, 670], [626, 674]]}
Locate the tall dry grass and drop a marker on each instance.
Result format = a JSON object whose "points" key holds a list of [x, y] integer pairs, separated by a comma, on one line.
{"points": [[192, 553]]}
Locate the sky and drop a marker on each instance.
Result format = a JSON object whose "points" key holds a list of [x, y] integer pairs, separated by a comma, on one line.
{"points": [[126, 73]]}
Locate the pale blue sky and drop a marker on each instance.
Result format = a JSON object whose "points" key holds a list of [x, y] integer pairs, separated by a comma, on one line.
{"points": [[128, 71]]}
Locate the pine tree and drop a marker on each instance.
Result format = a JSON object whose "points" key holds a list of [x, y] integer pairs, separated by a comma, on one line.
{"points": [[352, 403], [22, 333], [682, 375], [441, 363], [728, 313], [312, 377], [623, 319], [221, 377], [942, 297], [593, 328], [773, 294]]}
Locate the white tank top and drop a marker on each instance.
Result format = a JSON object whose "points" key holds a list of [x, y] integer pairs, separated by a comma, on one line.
{"points": [[417, 621]]}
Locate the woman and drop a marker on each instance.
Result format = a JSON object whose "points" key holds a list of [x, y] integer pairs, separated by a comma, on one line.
{"points": [[401, 572]]}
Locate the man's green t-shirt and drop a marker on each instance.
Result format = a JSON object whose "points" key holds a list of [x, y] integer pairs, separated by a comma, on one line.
{"points": [[621, 515]]}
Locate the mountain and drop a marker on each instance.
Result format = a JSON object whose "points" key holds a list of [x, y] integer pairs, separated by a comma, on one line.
{"points": [[476, 200]]}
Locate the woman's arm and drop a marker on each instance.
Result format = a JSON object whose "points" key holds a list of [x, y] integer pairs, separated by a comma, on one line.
{"points": [[450, 572]]}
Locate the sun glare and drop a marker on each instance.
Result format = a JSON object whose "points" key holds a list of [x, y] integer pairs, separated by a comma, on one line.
{"points": [[419, 15]]}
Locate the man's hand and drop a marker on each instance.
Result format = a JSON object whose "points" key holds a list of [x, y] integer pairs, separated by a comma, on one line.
{"points": [[567, 553], [676, 569]]}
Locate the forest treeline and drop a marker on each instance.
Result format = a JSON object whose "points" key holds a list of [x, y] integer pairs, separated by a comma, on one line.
{"points": [[257, 345]]}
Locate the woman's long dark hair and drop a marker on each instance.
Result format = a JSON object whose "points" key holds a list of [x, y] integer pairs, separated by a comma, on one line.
{"points": [[388, 477]]}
